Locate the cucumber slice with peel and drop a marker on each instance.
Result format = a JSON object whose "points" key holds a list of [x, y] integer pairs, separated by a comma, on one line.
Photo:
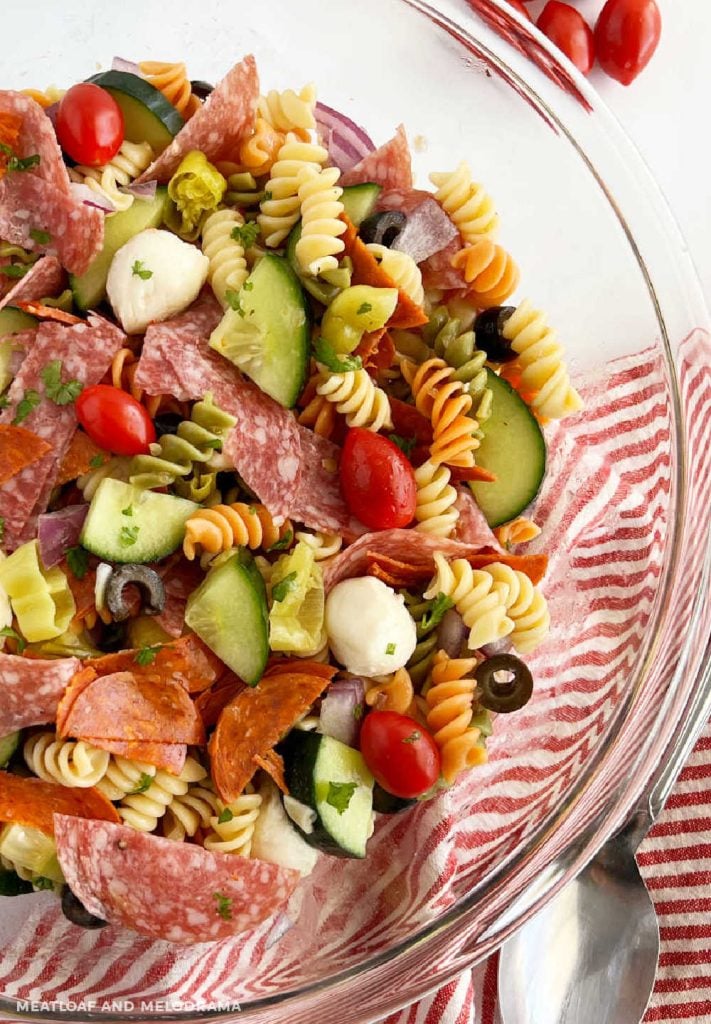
{"points": [[147, 114], [359, 200]]}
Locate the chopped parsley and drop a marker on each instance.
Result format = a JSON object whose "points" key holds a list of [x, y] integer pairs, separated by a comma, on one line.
{"points": [[284, 587], [29, 401], [248, 286], [267, 197], [15, 269], [245, 234], [128, 511], [42, 883], [4, 401], [19, 163], [283, 542], [435, 613], [128, 535], [405, 444], [78, 561], [390, 649], [139, 270], [233, 301], [224, 906], [413, 737], [8, 631], [215, 444], [358, 712], [365, 307], [97, 462], [143, 784], [2, 528], [225, 816], [58, 392], [325, 353], [147, 655], [340, 795], [41, 237]]}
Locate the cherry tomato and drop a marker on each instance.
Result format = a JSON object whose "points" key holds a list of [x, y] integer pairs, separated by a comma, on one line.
{"points": [[520, 8], [570, 32], [626, 36], [402, 756], [115, 420], [378, 482], [89, 125]]}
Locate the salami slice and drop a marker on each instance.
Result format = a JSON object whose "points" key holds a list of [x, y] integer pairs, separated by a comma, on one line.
{"points": [[254, 722], [30, 689], [33, 802], [472, 527], [85, 351], [438, 272], [179, 583], [168, 756], [218, 127], [389, 166], [318, 502], [44, 278], [178, 892], [37, 138], [19, 448], [406, 200], [127, 706]]}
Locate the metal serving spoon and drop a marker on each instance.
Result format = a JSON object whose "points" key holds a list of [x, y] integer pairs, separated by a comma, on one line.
{"points": [[591, 955]]}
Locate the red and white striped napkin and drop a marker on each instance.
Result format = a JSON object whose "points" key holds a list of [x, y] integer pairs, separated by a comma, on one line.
{"points": [[675, 860]]}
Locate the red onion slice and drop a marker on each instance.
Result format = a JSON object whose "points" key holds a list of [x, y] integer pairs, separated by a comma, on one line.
{"points": [[428, 230], [347, 143], [452, 633], [58, 531], [87, 196], [502, 646], [342, 709], [51, 113], [143, 190], [130, 66]]}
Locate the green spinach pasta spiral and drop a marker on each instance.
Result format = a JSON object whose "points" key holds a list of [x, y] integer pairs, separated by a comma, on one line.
{"points": [[176, 456], [421, 659], [458, 348]]}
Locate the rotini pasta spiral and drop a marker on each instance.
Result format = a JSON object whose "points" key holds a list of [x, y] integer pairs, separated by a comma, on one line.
{"points": [[191, 811], [450, 701], [323, 545], [222, 246], [478, 600], [242, 188], [321, 207], [172, 80], [491, 273], [143, 810], [446, 403], [123, 776], [394, 693], [540, 357], [355, 395], [69, 762], [518, 531], [320, 415], [175, 455], [280, 207], [123, 371], [289, 111], [130, 161], [401, 268], [525, 606], [222, 527], [116, 468], [469, 205], [233, 827], [458, 349], [45, 97], [435, 512]]}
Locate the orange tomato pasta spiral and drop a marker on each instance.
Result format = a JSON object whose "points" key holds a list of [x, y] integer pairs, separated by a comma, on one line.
{"points": [[260, 150], [172, 80], [123, 370], [225, 526], [394, 693], [316, 411], [518, 531], [491, 273], [450, 700], [447, 404]]}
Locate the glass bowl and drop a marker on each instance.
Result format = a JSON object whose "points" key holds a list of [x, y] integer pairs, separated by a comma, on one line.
{"points": [[625, 511]]}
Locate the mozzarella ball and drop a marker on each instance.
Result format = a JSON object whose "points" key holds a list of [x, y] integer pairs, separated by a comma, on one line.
{"points": [[154, 276], [370, 631]]}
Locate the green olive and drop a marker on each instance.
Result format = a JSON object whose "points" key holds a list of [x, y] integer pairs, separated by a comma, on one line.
{"points": [[504, 682]]}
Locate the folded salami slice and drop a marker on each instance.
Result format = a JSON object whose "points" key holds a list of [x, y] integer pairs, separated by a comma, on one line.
{"points": [[127, 706], [85, 352], [30, 689], [438, 272], [472, 527], [389, 165], [254, 721], [33, 802], [178, 892], [44, 278], [318, 502], [37, 138], [179, 582], [218, 127]]}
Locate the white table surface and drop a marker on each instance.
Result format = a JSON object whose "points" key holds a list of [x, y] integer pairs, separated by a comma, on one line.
{"points": [[667, 113]]}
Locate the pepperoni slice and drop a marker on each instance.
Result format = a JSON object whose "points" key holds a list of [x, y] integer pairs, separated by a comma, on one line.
{"points": [[168, 756], [78, 458], [187, 662], [33, 802], [19, 448]]}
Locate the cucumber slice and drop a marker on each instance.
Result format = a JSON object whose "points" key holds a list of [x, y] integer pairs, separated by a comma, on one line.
{"points": [[89, 289], [268, 336], [8, 746], [333, 779], [359, 200], [147, 114], [128, 524], [13, 320], [513, 447], [386, 803], [228, 611]]}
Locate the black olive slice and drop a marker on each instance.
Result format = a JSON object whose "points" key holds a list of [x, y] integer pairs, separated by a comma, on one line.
{"points": [[383, 228], [201, 89], [148, 582], [167, 423], [75, 911], [488, 331], [505, 683]]}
